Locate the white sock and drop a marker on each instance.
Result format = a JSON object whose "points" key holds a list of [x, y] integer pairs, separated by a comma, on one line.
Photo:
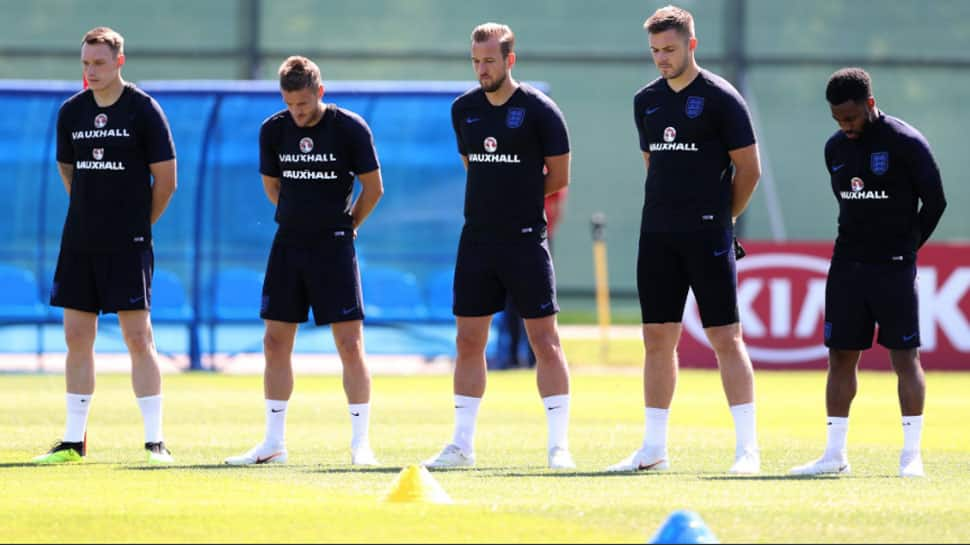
{"points": [[78, 406], [838, 428], [557, 418], [275, 423], [745, 428], [912, 433], [466, 415], [359, 423], [655, 434], [151, 414]]}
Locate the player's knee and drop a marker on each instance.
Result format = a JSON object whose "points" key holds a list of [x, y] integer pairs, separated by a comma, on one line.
{"points": [[726, 339], [658, 340], [470, 344], [547, 346], [351, 344], [275, 345], [79, 338], [140, 341]]}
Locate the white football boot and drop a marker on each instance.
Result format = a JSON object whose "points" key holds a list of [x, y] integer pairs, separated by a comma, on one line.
{"points": [[363, 456], [642, 460], [746, 463], [911, 464], [450, 456], [559, 458], [260, 454], [826, 465]]}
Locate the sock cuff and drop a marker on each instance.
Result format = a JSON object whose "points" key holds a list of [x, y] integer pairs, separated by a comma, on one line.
{"points": [[276, 403], [841, 421], [556, 399], [467, 401], [79, 397], [149, 398], [909, 420], [653, 412], [358, 406], [743, 407]]}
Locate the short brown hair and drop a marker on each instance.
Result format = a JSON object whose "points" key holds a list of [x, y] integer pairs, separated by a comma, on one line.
{"points": [[298, 73], [486, 31], [106, 36], [670, 17]]}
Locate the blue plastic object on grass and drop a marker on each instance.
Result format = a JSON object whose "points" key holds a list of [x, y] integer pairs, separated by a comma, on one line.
{"points": [[684, 526]]}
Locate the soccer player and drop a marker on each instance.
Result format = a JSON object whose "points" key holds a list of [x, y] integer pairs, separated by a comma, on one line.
{"points": [[507, 133], [881, 168], [310, 153], [112, 141], [693, 126]]}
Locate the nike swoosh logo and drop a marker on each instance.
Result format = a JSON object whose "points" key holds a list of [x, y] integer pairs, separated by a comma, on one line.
{"points": [[907, 338], [355, 414], [544, 306], [842, 468], [268, 458], [276, 410], [553, 408], [651, 111], [836, 168], [135, 299], [459, 406], [641, 467], [470, 120], [719, 253], [348, 310]]}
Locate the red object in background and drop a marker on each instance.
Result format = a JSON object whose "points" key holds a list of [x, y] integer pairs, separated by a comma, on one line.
{"points": [[781, 298], [84, 81], [554, 204]]}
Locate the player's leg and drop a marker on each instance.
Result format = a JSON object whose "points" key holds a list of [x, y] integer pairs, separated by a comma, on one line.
{"points": [[74, 290], [284, 306], [527, 272], [80, 329], [469, 387], [898, 318], [713, 277], [552, 378], [662, 288], [349, 339], [849, 326], [333, 286], [146, 380], [478, 295]]}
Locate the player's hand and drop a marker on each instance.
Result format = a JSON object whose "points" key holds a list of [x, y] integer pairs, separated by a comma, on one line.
{"points": [[738, 250]]}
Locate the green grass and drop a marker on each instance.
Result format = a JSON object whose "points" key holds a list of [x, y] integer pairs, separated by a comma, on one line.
{"points": [[510, 497]]}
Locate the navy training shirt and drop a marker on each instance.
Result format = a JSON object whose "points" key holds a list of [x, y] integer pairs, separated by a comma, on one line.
{"points": [[316, 166], [506, 147], [878, 181], [111, 149], [688, 135]]}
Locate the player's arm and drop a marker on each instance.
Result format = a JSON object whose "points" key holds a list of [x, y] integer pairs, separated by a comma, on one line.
{"points": [[371, 191], [66, 170], [464, 160], [646, 159], [557, 172], [164, 174], [747, 171], [271, 185], [929, 187]]}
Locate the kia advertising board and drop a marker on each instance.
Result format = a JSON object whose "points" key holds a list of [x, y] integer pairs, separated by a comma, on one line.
{"points": [[781, 297]]}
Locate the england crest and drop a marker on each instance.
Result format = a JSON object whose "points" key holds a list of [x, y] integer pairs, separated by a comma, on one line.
{"points": [[98, 153], [100, 121], [306, 145], [879, 162], [514, 118], [694, 107]]}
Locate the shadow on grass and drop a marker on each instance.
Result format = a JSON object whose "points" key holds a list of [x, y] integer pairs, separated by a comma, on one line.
{"points": [[584, 474], [31, 464], [355, 469], [778, 477], [210, 467]]}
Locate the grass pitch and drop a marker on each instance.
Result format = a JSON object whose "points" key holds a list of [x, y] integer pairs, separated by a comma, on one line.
{"points": [[510, 496]]}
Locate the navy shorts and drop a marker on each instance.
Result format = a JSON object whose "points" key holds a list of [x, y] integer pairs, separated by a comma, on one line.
{"points": [[860, 295], [324, 277], [668, 264], [103, 282], [487, 272]]}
